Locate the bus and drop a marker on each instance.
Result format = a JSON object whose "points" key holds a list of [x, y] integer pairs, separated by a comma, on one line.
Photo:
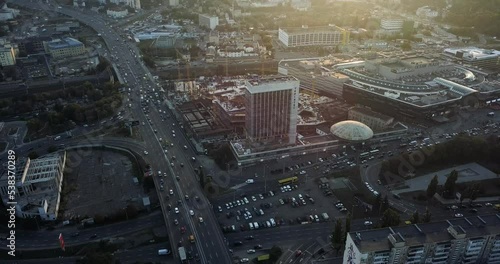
{"points": [[375, 151], [364, 155], [290, 180]]}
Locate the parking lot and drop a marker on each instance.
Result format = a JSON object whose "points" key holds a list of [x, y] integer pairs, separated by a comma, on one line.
{"points": [[290, 204]]}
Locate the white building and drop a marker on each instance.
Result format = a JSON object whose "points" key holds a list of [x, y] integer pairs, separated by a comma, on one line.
{"points": [[173, 2], [136, 4], [7, 55], [272, 109], [313, 36], [38, 186], [426, 11], [210, 22], [117, 13], [391, 24]]}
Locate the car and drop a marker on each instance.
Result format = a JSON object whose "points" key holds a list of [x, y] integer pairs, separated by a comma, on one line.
{"points": [[193, 158], [257, 247], [254, 199], [251, 251], [146, 153], [171, 192], [191, 212], [459, 215], [185, 147], [182, 164], [172, 164], [302, 172], [488, 204], [473, 210], [281, 201], [176, 222], [176, 210], [186, 197], [93, 236], [249, 181], [178, 178], [244, 260], [261, 196], [298, 253], [200, 219], [368, 223], [249, 237], [238, 243], [228, 206]]}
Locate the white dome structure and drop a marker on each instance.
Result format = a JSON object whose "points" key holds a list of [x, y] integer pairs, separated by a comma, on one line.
{"points": [[351, 130]]}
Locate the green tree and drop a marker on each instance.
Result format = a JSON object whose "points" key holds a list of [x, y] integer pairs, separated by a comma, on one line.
{"points": [[347, 227], [432, 187], [275, 253], [94, 257], [337, 236], [426, 218], [406, 46], [33, 155], [415, 218], [390, 218], [450, 184]]}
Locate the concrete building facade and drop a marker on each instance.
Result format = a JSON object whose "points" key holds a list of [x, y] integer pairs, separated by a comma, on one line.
{"points": [[464, 240], [210, 22], [7, 55], [272, 109], [313, 36], [374, 120], [391, 24], [38, 186]]}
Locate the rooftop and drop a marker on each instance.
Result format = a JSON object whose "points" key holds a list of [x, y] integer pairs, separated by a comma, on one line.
{"points": [[351, 130], [64, 43], [434, 232], [306, 29], [473, 53]]}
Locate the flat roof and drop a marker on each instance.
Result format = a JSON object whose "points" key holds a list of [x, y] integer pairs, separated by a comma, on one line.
{"points": [[332, 28], [434, 232], [64, 43]]}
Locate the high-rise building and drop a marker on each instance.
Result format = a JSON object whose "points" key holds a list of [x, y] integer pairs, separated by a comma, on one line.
{"points": [[313, 36], [207, 21], [271, 109], [460, 240]]}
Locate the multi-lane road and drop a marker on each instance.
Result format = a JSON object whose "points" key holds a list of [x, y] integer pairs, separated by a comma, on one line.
{"points": [[209, 243]]}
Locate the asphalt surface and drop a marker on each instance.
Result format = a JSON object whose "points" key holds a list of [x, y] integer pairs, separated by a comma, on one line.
{"points": [[209, 241]]}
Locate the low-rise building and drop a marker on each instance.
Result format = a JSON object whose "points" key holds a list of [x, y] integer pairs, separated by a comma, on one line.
{"points": [[313, 36], [38, 185], [65, 47], [117, 12]]}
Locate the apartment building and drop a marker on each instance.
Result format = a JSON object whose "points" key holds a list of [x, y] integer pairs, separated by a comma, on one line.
{"points": [[272, 109], [460, 240], [391, 24], [313, 36]]}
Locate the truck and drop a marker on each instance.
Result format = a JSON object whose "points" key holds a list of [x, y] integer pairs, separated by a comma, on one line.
{"points": [[182, 253]]}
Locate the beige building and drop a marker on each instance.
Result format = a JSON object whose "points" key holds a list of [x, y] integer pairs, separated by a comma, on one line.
{"points": [[65, 47], [376, 121], [7, 55]]}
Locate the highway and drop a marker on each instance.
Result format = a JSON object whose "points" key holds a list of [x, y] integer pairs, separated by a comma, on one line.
{"points": [[209, 241]]}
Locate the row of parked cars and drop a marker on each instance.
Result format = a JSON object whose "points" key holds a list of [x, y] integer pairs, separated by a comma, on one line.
{"points": [[370, 188]]}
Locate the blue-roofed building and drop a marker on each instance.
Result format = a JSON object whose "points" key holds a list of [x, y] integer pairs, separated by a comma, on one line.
{"points": [[65, 47]]}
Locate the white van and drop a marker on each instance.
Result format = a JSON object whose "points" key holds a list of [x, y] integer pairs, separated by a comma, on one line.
{"points": [[163, 252], [268, 224], [251, 226], [256, 225]]}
